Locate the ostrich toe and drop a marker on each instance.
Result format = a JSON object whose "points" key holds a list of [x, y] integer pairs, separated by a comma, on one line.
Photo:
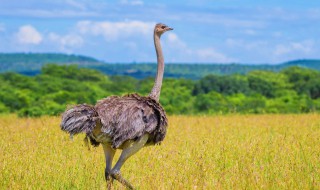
{"points": [[117, 176]]}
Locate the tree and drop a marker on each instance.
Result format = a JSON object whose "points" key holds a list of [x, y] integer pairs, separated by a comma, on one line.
{"points": [[229, 84], [304, 81], [176, 96], [267, 83], [211, 102]]}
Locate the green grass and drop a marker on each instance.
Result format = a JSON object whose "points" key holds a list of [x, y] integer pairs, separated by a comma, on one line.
{"points": [[208, 152]]}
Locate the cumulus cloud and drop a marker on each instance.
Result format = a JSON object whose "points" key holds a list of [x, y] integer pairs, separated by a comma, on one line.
{"points": [[185, 53], [27, 34], [304, 47], [66, 42], [177, 47], [175, 41], [212, 55], [114, 30]]}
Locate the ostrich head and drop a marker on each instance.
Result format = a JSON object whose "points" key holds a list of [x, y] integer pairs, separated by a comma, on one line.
{"points": [[160, 28]]}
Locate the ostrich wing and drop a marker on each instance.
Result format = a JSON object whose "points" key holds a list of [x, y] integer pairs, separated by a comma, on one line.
{"points": [[130, 117]]}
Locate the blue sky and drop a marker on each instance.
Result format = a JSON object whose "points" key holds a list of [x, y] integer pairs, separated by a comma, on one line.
{"points": [[205, 31]]}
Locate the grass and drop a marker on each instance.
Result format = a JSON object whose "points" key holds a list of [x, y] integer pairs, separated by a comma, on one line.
{"points": [[199, 152]]}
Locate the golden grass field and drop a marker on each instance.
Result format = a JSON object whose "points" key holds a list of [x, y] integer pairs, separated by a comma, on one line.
{"points": [[199, 152]]}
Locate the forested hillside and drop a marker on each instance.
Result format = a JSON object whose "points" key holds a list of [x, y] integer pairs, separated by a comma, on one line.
{"points": [[30, 64], [292, 90]]}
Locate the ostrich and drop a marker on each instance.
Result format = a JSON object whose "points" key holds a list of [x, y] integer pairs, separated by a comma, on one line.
{"points": [[129, 122]]}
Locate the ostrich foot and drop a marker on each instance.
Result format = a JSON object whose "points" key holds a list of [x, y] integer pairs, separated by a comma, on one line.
{"points": [[117, 176], [109, 185], [109, 180]]}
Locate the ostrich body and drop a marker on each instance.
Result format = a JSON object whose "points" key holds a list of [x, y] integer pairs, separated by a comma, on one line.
{"points": [[129, 122]]}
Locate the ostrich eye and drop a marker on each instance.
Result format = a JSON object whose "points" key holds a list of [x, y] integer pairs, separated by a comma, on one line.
{"points": [[163, 27]]}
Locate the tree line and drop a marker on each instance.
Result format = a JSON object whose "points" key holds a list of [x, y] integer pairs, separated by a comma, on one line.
{"points": [[291, 90], [31, 64]]}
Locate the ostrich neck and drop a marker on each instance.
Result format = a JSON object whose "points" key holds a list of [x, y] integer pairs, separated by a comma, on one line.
{"points": [[155, 92]]}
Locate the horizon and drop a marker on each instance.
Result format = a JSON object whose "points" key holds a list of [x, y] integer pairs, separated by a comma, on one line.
{"points": [[205, 32], [154, 62]]}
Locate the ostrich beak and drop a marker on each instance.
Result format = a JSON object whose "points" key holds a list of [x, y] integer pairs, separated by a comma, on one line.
{"points": [[169, 28]]}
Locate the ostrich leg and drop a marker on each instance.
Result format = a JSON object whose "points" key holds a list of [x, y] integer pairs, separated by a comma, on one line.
{"points": [[109, 153], [128, 151]]}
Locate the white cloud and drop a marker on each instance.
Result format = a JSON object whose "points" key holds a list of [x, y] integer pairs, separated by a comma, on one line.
{"points": [[76, 4], [27, 34], [177, 47], [304, 47], [181, 51], [114, 30], [245, 44], [172, 37], [212, 55], [67, 41], [222, 20], [131, 2], [52, 13], [175, 41]]}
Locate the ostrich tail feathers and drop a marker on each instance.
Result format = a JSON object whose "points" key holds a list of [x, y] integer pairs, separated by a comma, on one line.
{"points": [[79, 119]]}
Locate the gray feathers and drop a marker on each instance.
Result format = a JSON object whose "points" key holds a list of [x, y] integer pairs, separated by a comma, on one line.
{"points": [[122, 118], [131, 116], [79, 119]]}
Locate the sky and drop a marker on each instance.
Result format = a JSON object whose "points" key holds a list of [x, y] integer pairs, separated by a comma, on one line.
{"points": [[205, 31]]}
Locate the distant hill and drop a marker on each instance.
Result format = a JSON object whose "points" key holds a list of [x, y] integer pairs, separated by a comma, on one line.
{"points": [[31, 63], [312, 64], [196, 71]]}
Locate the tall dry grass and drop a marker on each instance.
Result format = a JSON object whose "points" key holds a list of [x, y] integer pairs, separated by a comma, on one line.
{"points": [[208, 152]]}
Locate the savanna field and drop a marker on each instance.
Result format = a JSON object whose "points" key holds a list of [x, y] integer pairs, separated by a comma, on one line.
{"points": [[199, 152]]}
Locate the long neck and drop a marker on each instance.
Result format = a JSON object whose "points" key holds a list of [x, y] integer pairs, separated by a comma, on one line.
{"points": [[155, 92]]}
